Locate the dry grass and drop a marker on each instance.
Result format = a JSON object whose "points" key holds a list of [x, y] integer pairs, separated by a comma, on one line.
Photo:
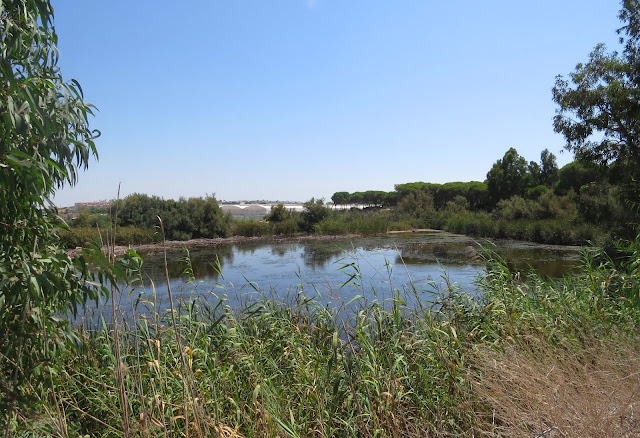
{"points": [[554, 393]]}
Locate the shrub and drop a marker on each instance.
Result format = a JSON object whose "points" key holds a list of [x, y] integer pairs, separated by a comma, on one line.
{"points": [[87, 219], [416, 202], [251, 228], [314, 212], [278, 213], [183, 219], [513, 208], [332, 226], [287, 227]]}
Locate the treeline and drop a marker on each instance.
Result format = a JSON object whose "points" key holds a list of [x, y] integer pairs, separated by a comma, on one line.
{"points": [[370, 198], [534, 201], [509, 176], [577, 202]]}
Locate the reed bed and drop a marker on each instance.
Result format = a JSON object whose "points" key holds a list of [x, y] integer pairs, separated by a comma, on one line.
{"points": [[520, 358]]}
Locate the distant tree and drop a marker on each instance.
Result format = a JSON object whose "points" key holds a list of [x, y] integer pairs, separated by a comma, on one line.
{"points": [[140, 210], [408, 188], [96, 220], [537, 191], [534, 175], [459, 204], [314, 212], [596, 203], [182, 220], [279, 213], [356, 198], [418, 201], [373, 198], [474, 192], [508, 176], [548, 168], [340, 198], [599, 105], [205, 217], [390, 199], [576, 174]]}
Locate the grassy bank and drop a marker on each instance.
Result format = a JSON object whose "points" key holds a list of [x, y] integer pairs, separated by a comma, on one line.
{"points": [[510, 362], [548, 231]]}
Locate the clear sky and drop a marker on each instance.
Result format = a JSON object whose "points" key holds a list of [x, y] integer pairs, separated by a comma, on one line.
{"points": [[289, 99]]}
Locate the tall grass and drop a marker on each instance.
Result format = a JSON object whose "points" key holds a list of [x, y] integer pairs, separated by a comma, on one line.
{"points": [[82, 236], [392, 365], [549, 231]]}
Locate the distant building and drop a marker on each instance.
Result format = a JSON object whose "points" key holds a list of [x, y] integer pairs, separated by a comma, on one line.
{"points": [[78, 206]]}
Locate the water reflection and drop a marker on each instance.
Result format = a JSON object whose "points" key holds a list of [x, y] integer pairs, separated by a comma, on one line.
{"points": [[204, 264], [318, 256], [280, 251], [438, 252], [382, 264]]}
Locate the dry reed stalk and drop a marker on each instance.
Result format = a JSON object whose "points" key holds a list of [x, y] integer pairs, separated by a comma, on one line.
{"points": [[190, 387], [554, 393], [120, 366]]}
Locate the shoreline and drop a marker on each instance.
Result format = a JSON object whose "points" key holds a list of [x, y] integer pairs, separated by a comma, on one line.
{"points": [[175, 245]]}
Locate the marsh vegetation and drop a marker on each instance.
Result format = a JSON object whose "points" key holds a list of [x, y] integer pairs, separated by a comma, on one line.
{"points": [[519, 355], [386, 362]]}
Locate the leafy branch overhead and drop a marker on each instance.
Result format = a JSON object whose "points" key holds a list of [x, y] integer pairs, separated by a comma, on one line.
{"points": [[45, 138], [599, 103]]}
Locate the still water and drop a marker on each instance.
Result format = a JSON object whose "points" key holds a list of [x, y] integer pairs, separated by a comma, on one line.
{"points": [[336, 270]]}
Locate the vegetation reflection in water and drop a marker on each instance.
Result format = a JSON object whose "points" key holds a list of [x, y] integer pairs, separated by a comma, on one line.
{"points": [[427, 259]]}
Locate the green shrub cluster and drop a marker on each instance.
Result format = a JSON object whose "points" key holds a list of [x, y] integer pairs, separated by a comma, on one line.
{"points": [[251, 228], [548, 231], [184, 219]]}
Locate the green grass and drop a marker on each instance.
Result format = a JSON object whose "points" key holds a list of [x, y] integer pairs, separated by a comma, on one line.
{"points": [[82, 236], [297, 366], [549, 231]]}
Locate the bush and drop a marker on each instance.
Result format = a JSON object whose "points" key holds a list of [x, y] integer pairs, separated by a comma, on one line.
{"points": [[314, 212], [251, 228], [416, 202], [87, 219], [537, 191], [513, 208], [287, 227], [278, 213], [332, 227], [182, 220]]}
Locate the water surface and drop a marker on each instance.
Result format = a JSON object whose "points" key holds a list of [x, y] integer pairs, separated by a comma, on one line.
{"points": [[340, 269]]}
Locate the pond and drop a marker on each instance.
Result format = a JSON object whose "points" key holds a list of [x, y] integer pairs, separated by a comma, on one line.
{"points": [[337, 270]]}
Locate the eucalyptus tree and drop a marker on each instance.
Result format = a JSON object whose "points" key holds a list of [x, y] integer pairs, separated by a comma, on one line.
{"points": [[548, 168], [508, 176], [599, 105], [45, 138]]}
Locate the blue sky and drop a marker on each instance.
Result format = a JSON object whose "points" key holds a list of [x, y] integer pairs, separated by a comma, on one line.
{"points": [[289, 99]]}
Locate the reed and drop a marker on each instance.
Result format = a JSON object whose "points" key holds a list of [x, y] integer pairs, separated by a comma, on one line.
{"points": [[390, 365]]}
